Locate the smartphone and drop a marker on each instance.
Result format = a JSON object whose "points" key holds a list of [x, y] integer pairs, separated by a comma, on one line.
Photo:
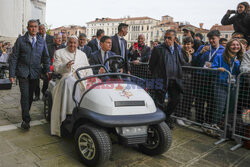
{"points": [[233, 11]]}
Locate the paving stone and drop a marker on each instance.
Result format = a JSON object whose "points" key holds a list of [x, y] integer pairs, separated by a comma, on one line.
{"points": [[34, 141], [60, 161], [5, 148], [240, 151], [222, 157], [180, 154], [164, 161], [19, 158], [244, 163], [203, 163], [198, 146], [51, 150]]}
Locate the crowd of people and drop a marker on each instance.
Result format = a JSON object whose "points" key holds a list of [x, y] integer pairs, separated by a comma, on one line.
{"points": [[63, 54]]}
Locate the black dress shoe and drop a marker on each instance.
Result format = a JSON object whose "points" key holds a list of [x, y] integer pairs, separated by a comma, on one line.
{"points": [[25, 125], [36, 98]]}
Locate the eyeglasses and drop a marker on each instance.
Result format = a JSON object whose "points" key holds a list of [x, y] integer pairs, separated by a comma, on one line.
{"points": [[169, 38]]}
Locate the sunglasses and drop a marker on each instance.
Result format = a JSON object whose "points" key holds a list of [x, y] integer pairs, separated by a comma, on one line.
{"points": [[169, 38]]}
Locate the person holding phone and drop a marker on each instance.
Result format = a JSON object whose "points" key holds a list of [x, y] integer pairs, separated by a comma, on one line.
{"points": [[240, 20]]}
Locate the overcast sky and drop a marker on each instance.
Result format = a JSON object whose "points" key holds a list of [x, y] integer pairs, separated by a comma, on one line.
{"points": [[78, 12]]}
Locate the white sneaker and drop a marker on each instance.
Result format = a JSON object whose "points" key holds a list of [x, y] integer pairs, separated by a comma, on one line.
{"points": [[180, 122]]}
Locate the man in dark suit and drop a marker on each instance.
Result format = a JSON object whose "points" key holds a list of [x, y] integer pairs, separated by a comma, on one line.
{"points": [[57, 44], [139, 52], [49, 40], [64, 39], [119, 45], [95, 43], [28, 53], [166, 64], [82, 40], [99, 57]]}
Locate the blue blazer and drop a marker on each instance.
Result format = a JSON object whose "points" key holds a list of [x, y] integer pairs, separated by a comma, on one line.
{"points": [[87, 50], [96, 58], [26, 61], [93, 44]]}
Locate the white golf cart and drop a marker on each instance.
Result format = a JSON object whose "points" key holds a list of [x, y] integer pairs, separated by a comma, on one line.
{"points": [[121, 109]]}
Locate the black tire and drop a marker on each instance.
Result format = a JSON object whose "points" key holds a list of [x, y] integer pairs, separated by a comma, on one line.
{"points": [[159, 140], [101, 145], [47, 105]]}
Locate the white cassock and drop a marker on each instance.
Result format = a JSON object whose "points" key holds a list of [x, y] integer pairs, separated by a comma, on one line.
{"points": [[63, 103]]}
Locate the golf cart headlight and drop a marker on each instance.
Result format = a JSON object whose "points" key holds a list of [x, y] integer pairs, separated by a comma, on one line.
{"points": [[130, 131]]}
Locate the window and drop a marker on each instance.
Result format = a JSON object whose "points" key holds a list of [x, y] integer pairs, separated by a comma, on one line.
{"points": [[147, 28], [142, 28], [226, 36]]}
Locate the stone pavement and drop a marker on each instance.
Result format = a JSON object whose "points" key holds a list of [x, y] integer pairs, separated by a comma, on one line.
{"points": [[36, 148]]}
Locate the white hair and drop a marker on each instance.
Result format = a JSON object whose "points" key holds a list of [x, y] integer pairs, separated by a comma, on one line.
{"points": [[73, 37]]}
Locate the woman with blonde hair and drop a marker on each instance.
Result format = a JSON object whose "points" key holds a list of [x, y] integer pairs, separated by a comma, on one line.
{"points": [[229, 61]]}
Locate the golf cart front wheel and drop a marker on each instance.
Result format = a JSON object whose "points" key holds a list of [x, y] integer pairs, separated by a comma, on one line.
{"points": [[93, 145], [47, 106], [159, 140]]}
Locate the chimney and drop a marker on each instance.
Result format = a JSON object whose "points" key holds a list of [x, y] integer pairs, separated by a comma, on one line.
{"points": [[201, 25]]}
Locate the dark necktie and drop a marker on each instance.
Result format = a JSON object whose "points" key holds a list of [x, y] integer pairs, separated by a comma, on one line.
{"points": [[122, 47], [33, 42], [105, 58]]}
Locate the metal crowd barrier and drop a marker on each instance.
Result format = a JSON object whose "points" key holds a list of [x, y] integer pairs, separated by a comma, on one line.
{"points": [[207, 100], [140, 70], [241, 117]]}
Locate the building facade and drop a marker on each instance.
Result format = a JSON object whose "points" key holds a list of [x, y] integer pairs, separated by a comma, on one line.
{"points": [[151, 28], [137, 25], [69, 30], [226, 31], [14, 15]]}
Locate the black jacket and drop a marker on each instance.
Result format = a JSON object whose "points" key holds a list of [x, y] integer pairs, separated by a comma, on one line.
{"points": [[93, 44], [87, 50], [145, 54], [241, 23], [117, 50], [26, 61], [157, 63], [52, 48], [49, 39]]}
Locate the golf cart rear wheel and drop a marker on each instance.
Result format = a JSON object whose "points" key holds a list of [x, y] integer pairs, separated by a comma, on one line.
{"points": [[47, 106], [158, 141], [93, 145]]}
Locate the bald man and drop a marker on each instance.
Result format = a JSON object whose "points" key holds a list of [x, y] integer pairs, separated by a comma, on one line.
{"points": [[139, 52]]}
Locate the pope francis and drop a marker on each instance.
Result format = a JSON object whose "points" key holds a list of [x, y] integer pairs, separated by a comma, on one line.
{"points": [[66, 62]]}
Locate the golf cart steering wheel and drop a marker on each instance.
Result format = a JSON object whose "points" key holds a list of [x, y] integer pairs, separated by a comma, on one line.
{"points": [[115, 63]]}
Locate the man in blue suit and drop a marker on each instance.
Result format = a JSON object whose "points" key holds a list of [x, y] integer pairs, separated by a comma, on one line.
{"points": [[101, 55], [82, 40], [29, 52], [95, 43]]}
